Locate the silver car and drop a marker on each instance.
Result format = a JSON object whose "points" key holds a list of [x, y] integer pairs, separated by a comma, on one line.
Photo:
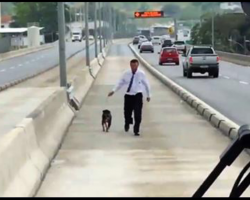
{"points": [[201, 59]]}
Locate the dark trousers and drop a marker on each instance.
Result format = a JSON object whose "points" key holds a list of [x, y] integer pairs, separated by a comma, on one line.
{"points": [[133, 103]]}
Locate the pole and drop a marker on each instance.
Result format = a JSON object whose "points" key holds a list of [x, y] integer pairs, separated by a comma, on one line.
{"points": [[61, 29], [87, 34], [95, 29], [0, 14], [245, 46], [175, 29], [100, 26], [213, 29]]}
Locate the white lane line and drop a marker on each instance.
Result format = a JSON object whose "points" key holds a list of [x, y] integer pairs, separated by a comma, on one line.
{"points": [[12, 68], [20, 65], [243, 82], [226, 77], [33, 60], [27, 62], [3, 70]]}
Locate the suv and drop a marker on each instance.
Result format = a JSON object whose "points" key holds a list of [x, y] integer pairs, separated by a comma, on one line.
{"points": [[200, 59], [136, 40], [180, 46]]}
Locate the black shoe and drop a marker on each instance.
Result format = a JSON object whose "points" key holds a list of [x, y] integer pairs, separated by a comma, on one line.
{"points": [[131, 121], [137, 134], [126, 127]]}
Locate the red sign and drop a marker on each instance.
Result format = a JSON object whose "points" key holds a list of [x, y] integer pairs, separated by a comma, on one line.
{"points": [[149, 14]]}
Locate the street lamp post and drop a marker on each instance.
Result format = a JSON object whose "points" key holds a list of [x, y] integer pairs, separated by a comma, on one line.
{"points": [[87, 34], [61, 29]]}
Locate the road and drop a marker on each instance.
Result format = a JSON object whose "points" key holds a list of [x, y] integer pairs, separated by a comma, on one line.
{"points": [[23, 66], [229, 94], [176, 151]]}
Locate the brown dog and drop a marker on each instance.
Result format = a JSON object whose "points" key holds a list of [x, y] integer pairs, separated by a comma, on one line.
{"points": [[106, 120]]}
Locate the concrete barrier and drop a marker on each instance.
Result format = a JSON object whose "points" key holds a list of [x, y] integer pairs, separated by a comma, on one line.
{"points": [[239, 59], [27, 151], [83, 82], [29, 148], [228, 127]]}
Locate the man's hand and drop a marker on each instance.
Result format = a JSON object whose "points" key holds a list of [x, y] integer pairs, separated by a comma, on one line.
{"points": [[110, 94], [148, 99]]}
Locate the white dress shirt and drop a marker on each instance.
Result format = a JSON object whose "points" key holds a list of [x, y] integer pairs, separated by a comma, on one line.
{"points": [[139, 82]]}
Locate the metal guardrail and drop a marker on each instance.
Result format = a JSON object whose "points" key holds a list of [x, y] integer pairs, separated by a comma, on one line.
{"points": [[235, 58]]}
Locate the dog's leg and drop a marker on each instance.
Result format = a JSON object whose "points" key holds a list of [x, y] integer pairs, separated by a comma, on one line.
{"points": [[103, 128]]}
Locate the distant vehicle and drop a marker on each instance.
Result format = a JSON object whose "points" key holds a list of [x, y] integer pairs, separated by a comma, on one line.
{"points": [[169, 55], [91, 37], [167, 43], [147, 46], [180, 46], [165, 37], [146, 33], [100, 37], [156, 40], [76, 36], [200, 59], [142, 40], [136, 40]]}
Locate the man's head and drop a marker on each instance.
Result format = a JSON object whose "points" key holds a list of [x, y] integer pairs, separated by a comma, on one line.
{"points": [[134, 64]]}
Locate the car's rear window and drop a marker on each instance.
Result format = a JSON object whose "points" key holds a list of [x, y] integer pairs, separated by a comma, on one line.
{"points": [[156, 38], [202, 51], [169, 50], [167, 42], [179, 42]]}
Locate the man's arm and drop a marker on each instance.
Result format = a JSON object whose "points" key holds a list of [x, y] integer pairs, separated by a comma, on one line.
{"points": [[145, 82]]}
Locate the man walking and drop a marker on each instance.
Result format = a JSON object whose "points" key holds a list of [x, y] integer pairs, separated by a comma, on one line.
{"points": [[135, 80]]}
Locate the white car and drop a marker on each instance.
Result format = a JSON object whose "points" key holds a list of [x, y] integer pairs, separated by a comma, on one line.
{"points": [[142, 41], [91, 37], [147, 46], [180, 46], [156, 40]]}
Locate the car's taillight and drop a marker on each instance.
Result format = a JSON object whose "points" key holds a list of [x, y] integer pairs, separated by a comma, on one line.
{"points": [[218, 59], [191, 60]]}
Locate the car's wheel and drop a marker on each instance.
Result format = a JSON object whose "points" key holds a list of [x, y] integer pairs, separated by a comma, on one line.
{"points": [[160, 63], [184, 73], [216, 74], [140, 51], [177, 63], [152, 51], [189, 73]]}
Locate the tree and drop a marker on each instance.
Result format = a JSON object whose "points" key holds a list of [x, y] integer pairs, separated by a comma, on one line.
{"points": [[45, 13], [171, 10]]}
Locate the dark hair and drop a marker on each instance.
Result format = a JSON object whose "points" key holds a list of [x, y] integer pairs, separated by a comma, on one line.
{"points": [[134, 61]]}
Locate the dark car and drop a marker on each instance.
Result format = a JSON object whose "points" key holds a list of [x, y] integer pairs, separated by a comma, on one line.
{"points": [[167, 43], [136, 40]]}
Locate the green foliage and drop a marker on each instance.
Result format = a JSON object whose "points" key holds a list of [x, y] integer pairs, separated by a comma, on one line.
{"points": [[234, 26], [45, 13]]}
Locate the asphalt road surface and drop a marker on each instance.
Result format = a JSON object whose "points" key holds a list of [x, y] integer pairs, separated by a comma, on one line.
{"points": [[229, 94]]}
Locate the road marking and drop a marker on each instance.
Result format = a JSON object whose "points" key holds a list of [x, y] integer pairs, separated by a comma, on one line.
{"points": [[20, 65], [33, 60], [12, 68], [243, 82], [3, 70], [27, 62], [226, 77]]}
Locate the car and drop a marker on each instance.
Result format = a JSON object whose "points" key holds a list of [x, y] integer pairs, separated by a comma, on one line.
{"points": [[147, 46], [201, 59], [156, 40], [180, 46], [91, 37], [136, 40], [169, 55], [142, 40], [76, 36], [167, 43]]}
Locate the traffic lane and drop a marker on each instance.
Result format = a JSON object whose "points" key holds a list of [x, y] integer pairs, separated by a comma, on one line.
{"points": [[177, 149], [228, 96], [24, 66]]}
